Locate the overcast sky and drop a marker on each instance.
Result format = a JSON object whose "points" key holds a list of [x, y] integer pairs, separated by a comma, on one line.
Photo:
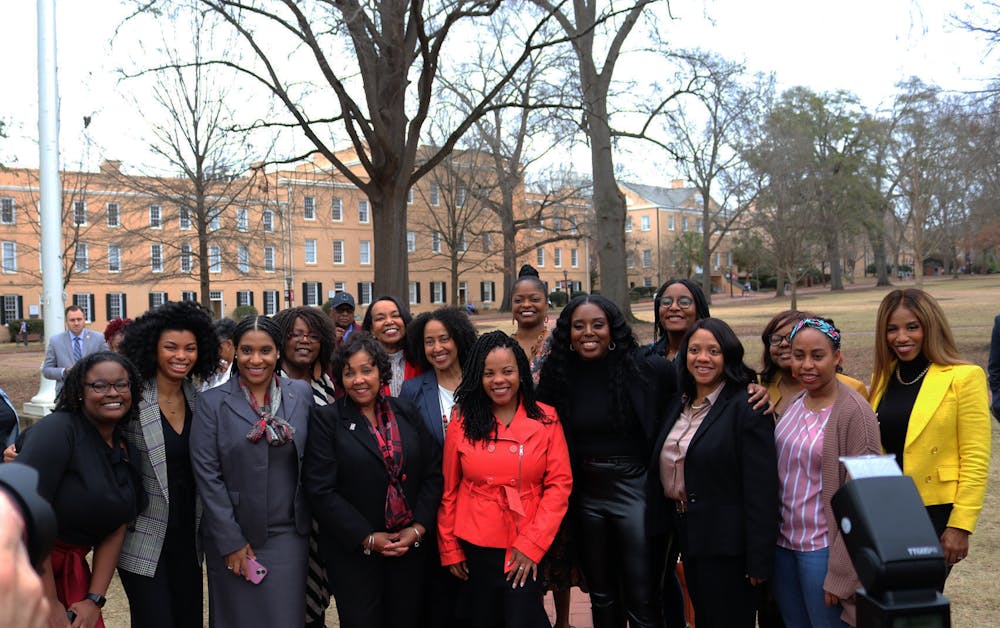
{"points": [[864, 46]]}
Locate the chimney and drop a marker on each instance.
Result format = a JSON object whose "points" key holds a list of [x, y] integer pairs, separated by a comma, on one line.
{"points": [[678, 184], [111, 166]]}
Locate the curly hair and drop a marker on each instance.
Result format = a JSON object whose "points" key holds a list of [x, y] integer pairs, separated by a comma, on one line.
{"points": [[734, 371], [456, 322], [140, 343], [555, 383], [404, 313], [257, 323], [700, 304], [787, 317], [479, 422], [70, 398], [938, 345], [356, 343], [318, 323], [115, 326]]}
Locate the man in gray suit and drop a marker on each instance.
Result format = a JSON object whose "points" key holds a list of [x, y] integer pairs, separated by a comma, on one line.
{"points": [[67, 347]]}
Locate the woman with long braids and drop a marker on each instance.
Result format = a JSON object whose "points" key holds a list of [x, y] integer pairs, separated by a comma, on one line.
{"points": [[159, 567], [610, 395], [506, 486], [933, 411], [247, 444]]}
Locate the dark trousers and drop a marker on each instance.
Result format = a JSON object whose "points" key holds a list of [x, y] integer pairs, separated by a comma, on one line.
{"points": [[489, 601], [442, 591], [377, 592], [720, 591], [172, 598], [622, 563]]}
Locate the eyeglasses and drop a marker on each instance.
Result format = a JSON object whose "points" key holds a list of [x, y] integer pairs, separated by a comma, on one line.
{"points": [[682, 302], [102, 387], [777, 339], [297, 335]]}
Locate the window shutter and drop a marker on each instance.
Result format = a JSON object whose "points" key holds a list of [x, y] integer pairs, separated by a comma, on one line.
{"points": [[251, 297], [107, 303], [319, 294], [418, 292], [93, 310], [20, 306], [150, 300], [358, 294], [124, 311], [302, 297], [444, 292], [482, 291]]}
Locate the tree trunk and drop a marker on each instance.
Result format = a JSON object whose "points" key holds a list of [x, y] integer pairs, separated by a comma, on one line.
{"points": [[706, 251], [390, 260], [779, 285], [881, 265], [833, 255], [795, 296], [509, 263]]}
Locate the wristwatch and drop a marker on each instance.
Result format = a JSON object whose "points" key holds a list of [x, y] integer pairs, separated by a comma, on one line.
{"points": [[98, 599]]}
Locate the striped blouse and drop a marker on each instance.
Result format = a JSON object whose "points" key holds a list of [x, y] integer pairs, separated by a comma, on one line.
{"points": [[799, 440]]}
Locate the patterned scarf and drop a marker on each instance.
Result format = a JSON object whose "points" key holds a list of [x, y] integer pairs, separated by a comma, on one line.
{"points": [[276, 430], [386, 433]]}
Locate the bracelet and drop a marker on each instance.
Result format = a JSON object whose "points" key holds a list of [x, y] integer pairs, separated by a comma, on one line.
{"points": [[369, 545], [419, 537]]}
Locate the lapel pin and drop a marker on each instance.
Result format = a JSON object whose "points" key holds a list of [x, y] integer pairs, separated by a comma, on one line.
{"points": [[351, 427]]}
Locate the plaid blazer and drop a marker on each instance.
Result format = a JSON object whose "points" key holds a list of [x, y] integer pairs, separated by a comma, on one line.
{"points": [[144, 538]]}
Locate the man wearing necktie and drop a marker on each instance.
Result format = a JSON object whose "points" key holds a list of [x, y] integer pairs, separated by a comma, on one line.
{"points": [[67, 347]]}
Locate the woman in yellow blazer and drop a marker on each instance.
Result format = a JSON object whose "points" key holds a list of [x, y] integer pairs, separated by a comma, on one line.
{"points": [[933, 413]]}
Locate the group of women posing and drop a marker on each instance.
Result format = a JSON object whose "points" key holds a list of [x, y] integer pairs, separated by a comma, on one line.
{"points": [[440, 486]]}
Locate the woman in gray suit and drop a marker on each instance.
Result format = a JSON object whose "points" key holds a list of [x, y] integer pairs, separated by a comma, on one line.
{"points": [[247, 444], [159, 565]]}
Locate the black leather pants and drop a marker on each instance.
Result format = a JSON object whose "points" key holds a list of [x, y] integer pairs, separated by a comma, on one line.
{"points": [[622, 564]]}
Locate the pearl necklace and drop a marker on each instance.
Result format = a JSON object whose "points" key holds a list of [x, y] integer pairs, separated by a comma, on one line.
{"points": [[899, 378]]}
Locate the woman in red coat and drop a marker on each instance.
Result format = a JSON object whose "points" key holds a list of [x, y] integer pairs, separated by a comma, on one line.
{"points": [[507, 482]]}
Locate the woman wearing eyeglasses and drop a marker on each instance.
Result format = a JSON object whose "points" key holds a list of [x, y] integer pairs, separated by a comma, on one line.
{"points": [[83, 467], [676, 306]]}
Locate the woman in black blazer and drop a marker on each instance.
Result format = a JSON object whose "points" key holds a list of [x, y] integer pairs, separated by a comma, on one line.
{"points": [[372, 474], [718, 474]]}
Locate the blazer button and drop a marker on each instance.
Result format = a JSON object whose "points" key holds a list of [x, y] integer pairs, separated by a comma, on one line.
{"points": [[928, 479], [491, 448], [489, 480], [934, 450], [513, 449], [513, 482]]}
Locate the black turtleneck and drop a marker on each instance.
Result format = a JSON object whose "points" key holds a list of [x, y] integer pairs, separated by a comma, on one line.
{"points": [[896, 405], [594, 431]]}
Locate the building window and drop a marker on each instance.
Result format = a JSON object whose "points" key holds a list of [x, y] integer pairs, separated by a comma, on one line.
{"points": [[436, 242], [557, 257], [414, 292], [156, 299], [572, 225], [365, 252], [215, 259], [339, 286], [310, 293], [113, 215], [116, 305], [645, 223], [310, 251], [718, 259], [243, 259], [411, 241], [82, 257], [267, 219], [185, 258], [338, 251], [364, 293], [7, 211], [629, 260], [540, 256], [79, 213], [155, 217], [574, 258], [270, 302], [269, 259], [409, 196], [437, 292], [12, 307], [337, 210], [215, 219], [114, 259], [435, 195], [184, 218], [670, 222], [156, 258], [244, 297], [699, 225], [364, 217], [487, 242], [242, 219], [9, 257], [460, 195], [487, 289], [647, 258], [628, 224], [189, 295], [309, 207], [647, 282], [85, 301], [463, 245], [684, 224]]}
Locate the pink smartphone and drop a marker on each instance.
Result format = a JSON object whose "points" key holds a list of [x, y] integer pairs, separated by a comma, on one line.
{"points": [[256, 571]]}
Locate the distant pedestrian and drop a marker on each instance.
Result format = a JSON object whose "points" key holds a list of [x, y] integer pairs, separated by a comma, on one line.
{"points": [[24, 332], [746, 289]]}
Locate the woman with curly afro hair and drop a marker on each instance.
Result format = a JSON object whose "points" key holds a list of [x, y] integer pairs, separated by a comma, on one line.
{"points": [[610, 396], [170, 346]]}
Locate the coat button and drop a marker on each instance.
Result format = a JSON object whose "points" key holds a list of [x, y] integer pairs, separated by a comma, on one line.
{"points": [[491, 448], [928, 479], [489, 480], [513, 449], [934, 450], [513, 482]]}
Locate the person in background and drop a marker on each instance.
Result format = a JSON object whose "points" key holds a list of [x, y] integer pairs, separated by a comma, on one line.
{"points": [[716, 465], [65, 348], [114, 333], [170, 345], [247, 444], [387, 320], [224, 328], [10, 427], [340, 309], [507, 482], [373, 477], [85, 472], [23, 331], [994, 368], [676, 306], [933, 413]]}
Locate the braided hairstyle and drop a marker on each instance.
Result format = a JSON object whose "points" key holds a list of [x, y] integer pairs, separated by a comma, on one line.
{"points": [[257, 323], [479, 422], [555, 383]]}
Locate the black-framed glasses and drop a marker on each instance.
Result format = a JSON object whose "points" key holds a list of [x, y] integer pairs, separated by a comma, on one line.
{"points": [[776, 339], [682, 302], [102, 387], [297, 335]]}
